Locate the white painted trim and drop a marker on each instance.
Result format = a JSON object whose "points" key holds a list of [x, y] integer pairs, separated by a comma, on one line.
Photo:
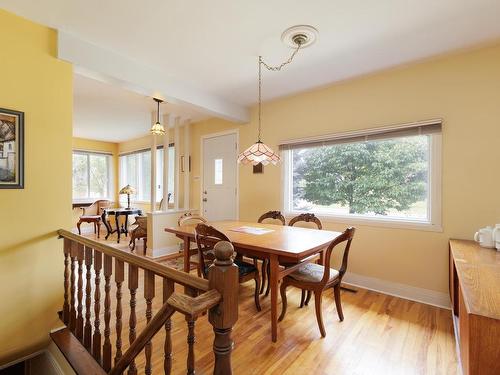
{"points": [[177, 159], [213, 135], [109, 67], [187, 172], [427, 296], [55, 364], [162, 251]]}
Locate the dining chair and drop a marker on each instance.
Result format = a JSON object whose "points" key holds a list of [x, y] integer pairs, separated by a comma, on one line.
{"points": [[305, 218], [92, 214], [138, 230], [317, 278], [308, 218], [190, 218], [266, 270], [206, 237]]}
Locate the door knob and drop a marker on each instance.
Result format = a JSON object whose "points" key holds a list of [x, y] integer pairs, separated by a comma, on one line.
{"points": [[204, 199]]}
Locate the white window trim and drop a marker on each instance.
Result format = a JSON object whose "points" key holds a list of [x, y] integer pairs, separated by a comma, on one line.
{"points": [[111, 181], [433, 224]]}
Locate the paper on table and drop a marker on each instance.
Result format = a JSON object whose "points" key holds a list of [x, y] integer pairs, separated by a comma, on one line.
{"points": [[252, 230]]}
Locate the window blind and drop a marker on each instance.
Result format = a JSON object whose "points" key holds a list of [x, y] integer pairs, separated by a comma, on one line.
{"points": [[394, 131]]}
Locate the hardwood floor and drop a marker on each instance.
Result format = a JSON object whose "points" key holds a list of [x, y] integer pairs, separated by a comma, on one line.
{"points": [[380, 335]]}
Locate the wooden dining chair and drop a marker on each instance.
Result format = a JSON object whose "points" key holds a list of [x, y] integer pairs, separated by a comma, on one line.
{"points": [[190, 218], [308, 218], [266, 270], [316, 278], [206, 237]]}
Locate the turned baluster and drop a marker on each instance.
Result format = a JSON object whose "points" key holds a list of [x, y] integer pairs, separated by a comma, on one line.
{"points": [[79, 320], [119, 278], [190, 341], [106, 348], [223, 276], [67, 250], [168, 289], [133, 284], [72, 311], [87, 329], [149, 294], [96, 338]]}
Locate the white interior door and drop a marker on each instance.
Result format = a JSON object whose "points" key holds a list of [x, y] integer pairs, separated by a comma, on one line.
{"points": [[219, 193]]}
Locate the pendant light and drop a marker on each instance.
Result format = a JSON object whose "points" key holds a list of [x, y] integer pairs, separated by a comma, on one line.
{"points": [[259, 152], [157, 128]]}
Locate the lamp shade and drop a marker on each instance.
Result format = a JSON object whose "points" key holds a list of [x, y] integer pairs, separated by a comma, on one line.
{"points": [[157, 129], [259, 153], [127, 190]]}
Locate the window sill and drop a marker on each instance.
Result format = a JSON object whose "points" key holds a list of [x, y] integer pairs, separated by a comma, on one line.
{"points": [[373, 222]]}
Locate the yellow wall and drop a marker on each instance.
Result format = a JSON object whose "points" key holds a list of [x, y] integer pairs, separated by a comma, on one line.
{"points": [[31, 260], [463, 89]]}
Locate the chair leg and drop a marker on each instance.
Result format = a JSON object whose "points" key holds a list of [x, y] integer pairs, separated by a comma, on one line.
{"points": [[95, 228], [98, 229], [257, 290], [319, 316], [302, 298], [132, 242], [283, 300], [78, 226], [308, 298], [338, 304], [268, 270], [145, 245], [264, 274]]}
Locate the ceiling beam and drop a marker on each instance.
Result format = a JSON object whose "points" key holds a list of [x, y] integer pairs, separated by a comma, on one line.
{"points": [[107, 66]]}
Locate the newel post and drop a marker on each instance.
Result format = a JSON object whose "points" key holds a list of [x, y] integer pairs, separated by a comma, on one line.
{"points": [[223, 276]]}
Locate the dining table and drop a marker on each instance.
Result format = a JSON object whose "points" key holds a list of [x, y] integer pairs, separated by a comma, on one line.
{"points": [[286, 248]]}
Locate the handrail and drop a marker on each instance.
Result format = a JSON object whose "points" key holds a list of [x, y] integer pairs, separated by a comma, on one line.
{"points": [[179, 277]]}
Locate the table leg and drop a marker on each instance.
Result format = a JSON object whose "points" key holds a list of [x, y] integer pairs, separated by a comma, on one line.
{"points": [[104, 218], [117, 222], [321, 259], [126, 225], [187, 263], [273, 280]]}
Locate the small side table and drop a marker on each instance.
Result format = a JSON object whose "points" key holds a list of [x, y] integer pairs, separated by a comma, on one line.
{"points": [[118, 212]]}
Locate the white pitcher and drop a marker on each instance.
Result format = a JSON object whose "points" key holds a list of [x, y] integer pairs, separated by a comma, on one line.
{"points": [[495, 235], [485, 237]]}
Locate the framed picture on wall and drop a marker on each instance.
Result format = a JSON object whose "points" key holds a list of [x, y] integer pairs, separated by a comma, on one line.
{"points": [[11, 149]]}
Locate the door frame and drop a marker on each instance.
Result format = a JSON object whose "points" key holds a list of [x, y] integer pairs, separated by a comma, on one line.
{"points": [[202, 160]]}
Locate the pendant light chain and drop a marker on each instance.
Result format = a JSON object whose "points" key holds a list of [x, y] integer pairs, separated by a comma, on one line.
{"points": [[276, 68]]}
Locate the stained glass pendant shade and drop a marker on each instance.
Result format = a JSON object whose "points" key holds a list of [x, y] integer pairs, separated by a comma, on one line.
{"points": [[259, 152], [157, 128]]}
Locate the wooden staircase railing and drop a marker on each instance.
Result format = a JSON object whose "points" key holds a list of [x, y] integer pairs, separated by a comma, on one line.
{"points": [[86, 260]]}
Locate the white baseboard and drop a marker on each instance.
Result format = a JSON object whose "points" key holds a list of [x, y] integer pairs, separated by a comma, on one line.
{"points": [[427, 296]]}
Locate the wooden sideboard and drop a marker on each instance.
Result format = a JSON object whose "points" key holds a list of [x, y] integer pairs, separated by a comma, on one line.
{"points": [[475, 301]]}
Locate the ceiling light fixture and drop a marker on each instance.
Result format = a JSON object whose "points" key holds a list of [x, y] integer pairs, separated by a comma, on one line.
{"points": [[157, 128], [297, 37]]}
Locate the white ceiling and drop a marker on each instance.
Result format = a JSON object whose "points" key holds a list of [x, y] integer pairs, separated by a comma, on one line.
{"points": [[213, 45], [109, 113]]}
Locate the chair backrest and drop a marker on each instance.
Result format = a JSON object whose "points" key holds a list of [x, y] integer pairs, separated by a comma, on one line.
{"points": [[188, 217], [346, 237], [142, 222], [308, 218], [275, 215], [96, 207], [160, 207], [206, 237]]}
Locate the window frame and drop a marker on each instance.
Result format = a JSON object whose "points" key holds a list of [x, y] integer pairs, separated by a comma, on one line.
{"points": [[109, 167], [433, 222], [139, 166]]}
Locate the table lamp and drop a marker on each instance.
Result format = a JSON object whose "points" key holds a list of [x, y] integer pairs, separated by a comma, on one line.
{"points": [[127, 190]]}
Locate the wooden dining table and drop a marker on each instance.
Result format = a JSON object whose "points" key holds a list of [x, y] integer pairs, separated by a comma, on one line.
{"points": [[286, 248]]}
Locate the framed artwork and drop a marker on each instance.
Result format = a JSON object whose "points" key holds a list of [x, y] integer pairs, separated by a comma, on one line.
{"points": [[11, 149]]}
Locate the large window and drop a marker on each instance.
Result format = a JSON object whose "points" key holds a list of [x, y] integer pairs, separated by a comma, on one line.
{"points": [[135, 170], [386, 175], [91, 176]]}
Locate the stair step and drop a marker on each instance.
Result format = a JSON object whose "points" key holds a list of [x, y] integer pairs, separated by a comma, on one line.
{"points": [[75, 353]]}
